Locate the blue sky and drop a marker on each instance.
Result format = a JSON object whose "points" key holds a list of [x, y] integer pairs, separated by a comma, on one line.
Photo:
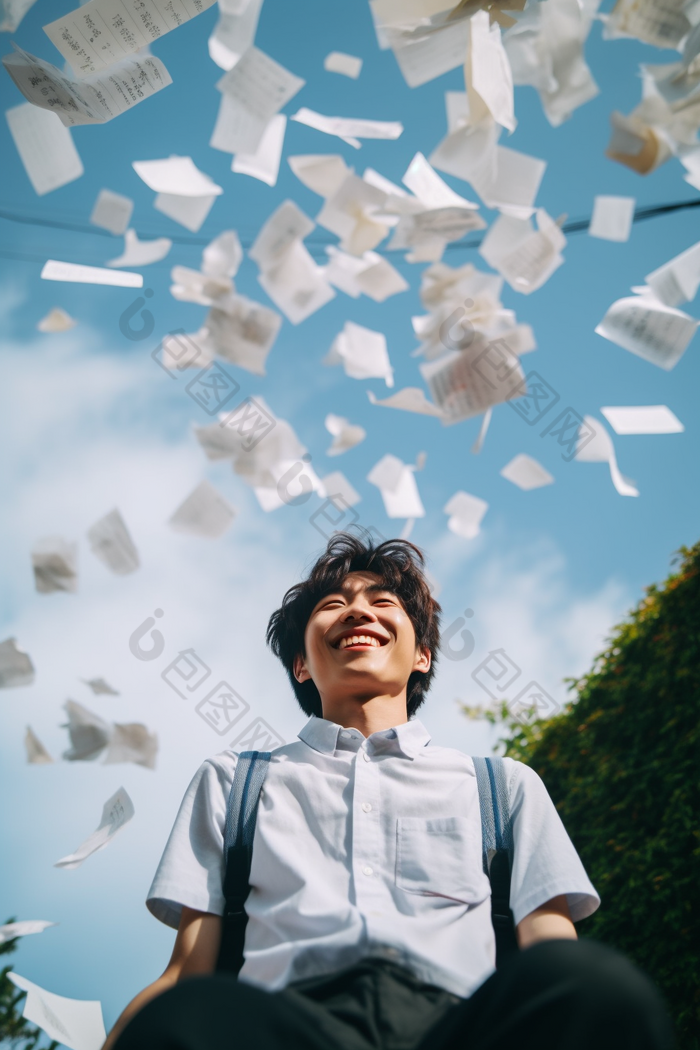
{"points": [[89, 422]]}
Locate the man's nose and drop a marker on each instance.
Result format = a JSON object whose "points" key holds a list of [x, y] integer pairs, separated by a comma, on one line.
{"points": [[359, 611]]}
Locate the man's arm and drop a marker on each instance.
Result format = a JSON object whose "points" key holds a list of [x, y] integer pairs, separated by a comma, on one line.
{"points": [[195, 952], [547, 923]]}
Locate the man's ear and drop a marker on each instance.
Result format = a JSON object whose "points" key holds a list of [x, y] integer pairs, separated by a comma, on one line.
{"points": [[423, 659], [301, 672]]}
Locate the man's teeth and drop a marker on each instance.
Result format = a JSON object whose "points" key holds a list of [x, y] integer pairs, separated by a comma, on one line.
{"points": [[358, 639]]}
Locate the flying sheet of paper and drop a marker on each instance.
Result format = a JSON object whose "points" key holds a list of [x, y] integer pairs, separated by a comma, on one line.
{"points": [[285, 475], [643, 419], [264, 163], [469, 152], [362, 353], [23, 929], [132, 742], [190, 212], [55, 564], [466, 514], [545, 49], [432, 191], [515, 186], [339, 62], [176, 175], [345, 434], [397, 485], [111, 543], [526, 473], [323, 173], [646, 327], [287, 224], [428, 231], [600, 449], [343, 269], [89, 734], [635, 144], [677, 280], [349, 213], [223, 255], [464, 383], [663, 25], [349, 129], [141, 253], [369, 274], [275, 444], [423, 57], [297, 285], [243, 333], [74, 273], [489, 75], [75, 1023], [12, 12], [410, 399], [112, 211], [256, 89], [56, 320], [185, 194], [96, 99], [379, 280], [116, 812], [527, 258], [289, 274], [100, 687], [204, 512], [337, 488], [181, 350], [16, 667], [37, 755], [45, 147], [612, 218], [101, 32], [234, 32], [193, 286]]}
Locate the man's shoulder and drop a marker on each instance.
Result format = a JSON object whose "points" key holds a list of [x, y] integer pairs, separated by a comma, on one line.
{"points": [[516, 772]]}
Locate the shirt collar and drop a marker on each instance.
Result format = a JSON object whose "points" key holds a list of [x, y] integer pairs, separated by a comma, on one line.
{"points": [[407, 739]]}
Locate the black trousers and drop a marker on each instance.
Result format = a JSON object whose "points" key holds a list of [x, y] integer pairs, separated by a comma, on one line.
{"points": [[557, 995]]}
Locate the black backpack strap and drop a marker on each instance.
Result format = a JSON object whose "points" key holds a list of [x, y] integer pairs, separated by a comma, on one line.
{"points": [[241, 813], [497, 849]]}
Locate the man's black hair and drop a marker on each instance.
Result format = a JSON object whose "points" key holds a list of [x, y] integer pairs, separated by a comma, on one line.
{"points": [[399, 564]]}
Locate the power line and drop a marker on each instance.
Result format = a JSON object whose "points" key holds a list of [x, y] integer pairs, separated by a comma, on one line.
{"points": [[641, 214]]}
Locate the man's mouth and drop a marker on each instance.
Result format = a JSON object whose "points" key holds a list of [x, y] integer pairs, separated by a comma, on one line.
{"points": [[357, 641]]}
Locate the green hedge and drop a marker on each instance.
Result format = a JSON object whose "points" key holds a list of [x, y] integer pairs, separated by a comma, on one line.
{"points": [[15, 1031], [622, 764]]}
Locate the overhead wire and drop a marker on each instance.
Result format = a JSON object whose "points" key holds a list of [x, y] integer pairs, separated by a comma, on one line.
{"points": [[641, 214]]}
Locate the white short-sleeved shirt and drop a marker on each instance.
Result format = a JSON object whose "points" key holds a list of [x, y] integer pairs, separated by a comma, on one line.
{"points": [[367, 847]]}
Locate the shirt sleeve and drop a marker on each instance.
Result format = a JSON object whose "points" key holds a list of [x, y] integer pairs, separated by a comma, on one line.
{"points": [[191, 870], [545, 862]]}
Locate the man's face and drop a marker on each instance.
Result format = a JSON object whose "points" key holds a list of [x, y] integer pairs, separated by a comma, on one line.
{"points": [[360, 642]]}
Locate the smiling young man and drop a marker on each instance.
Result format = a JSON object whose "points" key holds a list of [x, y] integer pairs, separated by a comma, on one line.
{"points": [[369, 918]]}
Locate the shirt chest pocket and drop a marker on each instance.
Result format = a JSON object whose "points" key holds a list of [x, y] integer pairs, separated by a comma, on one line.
{"points": [[440, 857]]}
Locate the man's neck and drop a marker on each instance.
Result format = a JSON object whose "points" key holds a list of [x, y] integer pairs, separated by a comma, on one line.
{"points": [[369, 716]]}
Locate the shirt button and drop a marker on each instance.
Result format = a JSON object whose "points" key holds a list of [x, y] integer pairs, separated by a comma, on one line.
{"points": [[365, 756], [344, 733], [368, 870], [366, 807]]}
